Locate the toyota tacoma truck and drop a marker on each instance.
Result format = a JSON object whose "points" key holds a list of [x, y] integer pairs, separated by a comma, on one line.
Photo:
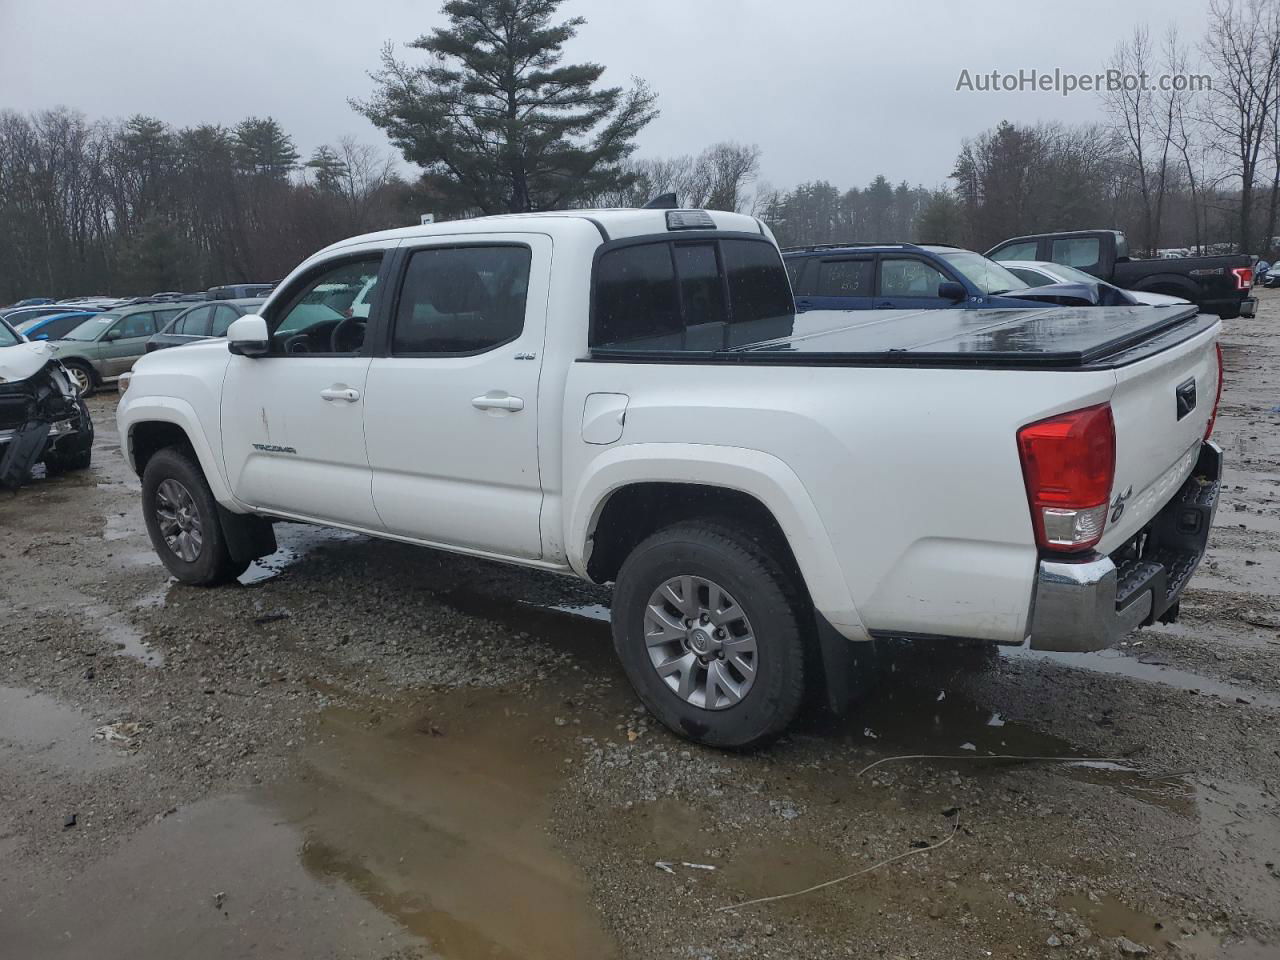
{"points": [[1221, 285], [629, 396]]}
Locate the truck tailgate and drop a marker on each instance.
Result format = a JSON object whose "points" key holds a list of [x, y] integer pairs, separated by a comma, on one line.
{"points": [[1161, 409]]}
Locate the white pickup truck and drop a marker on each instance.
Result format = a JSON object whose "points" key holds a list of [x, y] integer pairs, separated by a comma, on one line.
{"points": [[628, 396]]}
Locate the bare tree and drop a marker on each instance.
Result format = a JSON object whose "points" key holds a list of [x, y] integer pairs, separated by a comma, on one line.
{"points": [[1142, 120], [1243, 47]]}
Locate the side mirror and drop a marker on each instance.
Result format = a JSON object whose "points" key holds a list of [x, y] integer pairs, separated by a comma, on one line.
{"points": [[111, 335], [952, 290], [247, 337]]}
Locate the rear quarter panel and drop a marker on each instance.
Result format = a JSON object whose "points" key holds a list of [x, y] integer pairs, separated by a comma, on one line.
{"points": [[914, 472]]}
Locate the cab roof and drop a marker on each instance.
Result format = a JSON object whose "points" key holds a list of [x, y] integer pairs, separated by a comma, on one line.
{"points": [[612, 224]]}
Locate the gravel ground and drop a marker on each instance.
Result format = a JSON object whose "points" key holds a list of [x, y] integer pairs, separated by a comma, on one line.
{"points": [[372, 750]]}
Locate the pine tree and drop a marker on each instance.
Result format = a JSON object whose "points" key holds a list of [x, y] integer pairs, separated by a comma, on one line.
{"points": [[496, 121], [263, 148], [329, 168]]}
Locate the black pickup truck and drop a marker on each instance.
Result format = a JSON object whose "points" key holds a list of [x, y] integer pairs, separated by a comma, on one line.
{"points": [[1221, 285]]}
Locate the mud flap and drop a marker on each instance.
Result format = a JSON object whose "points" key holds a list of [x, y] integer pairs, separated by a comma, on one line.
{"points": [[849, 667], [248, 537], [23, 452]]}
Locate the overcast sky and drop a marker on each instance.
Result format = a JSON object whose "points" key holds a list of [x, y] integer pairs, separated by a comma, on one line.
{"points": [[832, 89]]}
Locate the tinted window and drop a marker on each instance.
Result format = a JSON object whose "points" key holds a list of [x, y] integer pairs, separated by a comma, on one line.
{"points": [[908, 277], [315, 308], [223, 317], [194, 323], [1076, 251], [635, 294], [844, 278], [701, 291], [671, 295], [1016, 251], [757, 290], [461, 300]]}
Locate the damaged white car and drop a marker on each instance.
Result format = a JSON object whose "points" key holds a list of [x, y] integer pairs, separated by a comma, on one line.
{"points": [[42, 418]]}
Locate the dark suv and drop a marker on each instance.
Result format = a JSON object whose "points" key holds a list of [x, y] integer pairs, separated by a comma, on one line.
{"points": [[908, 276]]}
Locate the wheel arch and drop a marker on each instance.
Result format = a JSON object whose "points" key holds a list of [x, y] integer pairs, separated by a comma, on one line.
{"points": [[620, 500], [1169, 283], [161, 422]]}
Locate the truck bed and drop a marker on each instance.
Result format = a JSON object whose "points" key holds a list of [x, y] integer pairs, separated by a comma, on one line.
{"points": [[1052, 337]]}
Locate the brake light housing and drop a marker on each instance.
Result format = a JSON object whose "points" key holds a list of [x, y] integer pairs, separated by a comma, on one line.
{"points": [[1244, 277], [1217, 398], [1069, 467]]}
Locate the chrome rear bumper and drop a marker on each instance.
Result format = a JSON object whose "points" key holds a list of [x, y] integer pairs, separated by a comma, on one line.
{"points": [[1091, 603]]}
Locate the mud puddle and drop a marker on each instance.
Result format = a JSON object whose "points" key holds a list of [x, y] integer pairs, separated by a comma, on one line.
{"points": [[435, 810], [129, 641], [49, 733], [294, 541], [1109, 917], [1115, 663]]}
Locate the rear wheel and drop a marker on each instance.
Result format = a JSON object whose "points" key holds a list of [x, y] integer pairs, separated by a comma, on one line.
{"points": [[182, 520], [711, 633]]}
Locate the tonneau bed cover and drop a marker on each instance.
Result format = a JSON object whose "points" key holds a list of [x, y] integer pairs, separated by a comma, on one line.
{"points": [[1056, 337]]}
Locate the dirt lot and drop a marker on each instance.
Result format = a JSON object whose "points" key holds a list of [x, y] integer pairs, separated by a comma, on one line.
{"points": [[369, 750]]}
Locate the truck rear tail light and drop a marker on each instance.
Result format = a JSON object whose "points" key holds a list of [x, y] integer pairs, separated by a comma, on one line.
{"points": [[1069, 466], [1217, 398], [1244, 277]]}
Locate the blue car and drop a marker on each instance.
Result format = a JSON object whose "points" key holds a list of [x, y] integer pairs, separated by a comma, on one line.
{"points": [[908, 276], [55, 326]]}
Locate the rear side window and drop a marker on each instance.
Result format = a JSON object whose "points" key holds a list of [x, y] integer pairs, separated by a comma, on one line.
{"points": [[1076, 251], [461, 300], [844, 278], [680, 295], [223, 317], [194, 324]]}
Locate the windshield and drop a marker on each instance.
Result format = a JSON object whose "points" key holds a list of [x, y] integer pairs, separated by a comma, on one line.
{"points": [[92, 329], [987, 275], [8, 338]]}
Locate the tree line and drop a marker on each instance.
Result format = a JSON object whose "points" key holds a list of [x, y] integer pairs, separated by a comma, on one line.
{"points": [[492, 120]]}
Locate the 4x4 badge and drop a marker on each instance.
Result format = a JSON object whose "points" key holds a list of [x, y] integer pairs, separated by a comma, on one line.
{"points": [[1117, 508]]}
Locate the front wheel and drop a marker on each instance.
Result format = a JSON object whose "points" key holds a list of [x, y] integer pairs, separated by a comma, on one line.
{"points": [[710, 631], [82, 376], [182, 521]]}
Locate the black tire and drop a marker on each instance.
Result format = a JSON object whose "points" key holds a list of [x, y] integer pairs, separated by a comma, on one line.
{"points": [[82, 369], [213, 565], [773, 604]]}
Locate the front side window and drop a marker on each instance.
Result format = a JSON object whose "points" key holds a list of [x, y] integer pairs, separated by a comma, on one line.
{"points": [[461, 300], [844, 278], [908, 277], [1076, 251], [318, 317], [8, 337], [133, 326]]}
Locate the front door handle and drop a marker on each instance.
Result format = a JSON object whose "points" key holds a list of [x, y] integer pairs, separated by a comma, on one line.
{"points": [[337, 392], [498, 401]]}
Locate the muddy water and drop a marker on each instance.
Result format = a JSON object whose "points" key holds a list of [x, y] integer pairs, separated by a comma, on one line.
{"points": [[436, 812]]}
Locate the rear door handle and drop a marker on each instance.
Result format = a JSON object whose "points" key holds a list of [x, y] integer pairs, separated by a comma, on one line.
{"points": [[335, 392], [498, 401]]}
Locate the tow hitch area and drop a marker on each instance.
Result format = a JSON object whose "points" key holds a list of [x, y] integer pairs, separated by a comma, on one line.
{"points": [[1092, 603]]}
